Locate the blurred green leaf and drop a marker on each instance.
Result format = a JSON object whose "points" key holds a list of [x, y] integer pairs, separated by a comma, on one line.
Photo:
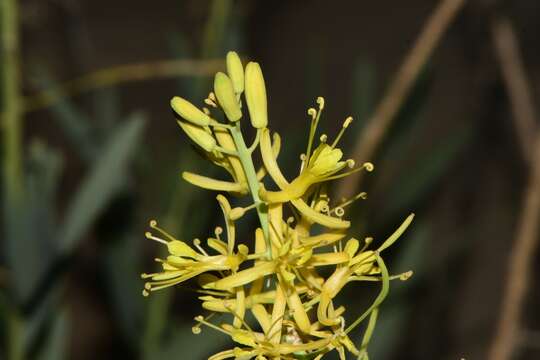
{"points": [[55, 345], [107, 112], [36, 223], [122, 260], [105, 177], [75, 123]]}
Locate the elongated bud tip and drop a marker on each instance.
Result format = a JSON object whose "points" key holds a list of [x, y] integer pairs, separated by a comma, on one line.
{"points": [[256, 96], [189, 112], [235, 71], [223, 88]]}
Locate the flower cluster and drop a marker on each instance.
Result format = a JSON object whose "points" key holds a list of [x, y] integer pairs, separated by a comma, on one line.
{"points": [[285, 282]]}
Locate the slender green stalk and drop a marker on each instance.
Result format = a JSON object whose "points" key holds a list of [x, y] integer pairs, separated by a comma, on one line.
{"points": [[247, 164], [12, 159], [11, 103]]}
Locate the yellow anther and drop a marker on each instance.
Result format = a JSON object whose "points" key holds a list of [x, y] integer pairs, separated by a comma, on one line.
{"points": [[312, 112], [368, 166], [320, 101]]}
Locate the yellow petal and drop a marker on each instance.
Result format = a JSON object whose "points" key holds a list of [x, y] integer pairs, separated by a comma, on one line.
{"points": [[352, 247], [235, 71], [328, 259], [218, 245], [189, 112], [256, 96], [180, 248], [277, 315], [213, 184], [273, 170], [243, 277], [223, 88], [240, 308], [262, 316], [298, 311]]}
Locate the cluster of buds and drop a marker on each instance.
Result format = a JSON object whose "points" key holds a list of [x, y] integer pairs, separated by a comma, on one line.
{"points": [[285, 282]]}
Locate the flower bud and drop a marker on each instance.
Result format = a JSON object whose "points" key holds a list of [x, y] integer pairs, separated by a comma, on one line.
{"points": [[235, 71], [198, 135], [223, 88], [189, 112], [256, 96]]}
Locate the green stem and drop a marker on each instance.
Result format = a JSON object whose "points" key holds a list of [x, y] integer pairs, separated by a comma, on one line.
{"points": [[12, 158], [11, 102], [247, 164]]}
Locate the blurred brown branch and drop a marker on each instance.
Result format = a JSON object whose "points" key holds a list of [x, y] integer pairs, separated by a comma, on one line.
{"points": [[121, 74], [526, 241], [511, 64], [398, 90]]}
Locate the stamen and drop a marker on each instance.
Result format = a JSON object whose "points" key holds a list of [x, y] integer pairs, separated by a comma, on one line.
{"points": [[320, 101], [346, 124], [197, 244], [315, 116], [345, 203], [218, 231], [200, 319], [368, 166], [323, 138], [313, 113], [149, 236], [210, 102], [235, 314], [350, 163], [212, 96], [339, 211], [153, 225], [303, 160], [367, 242]]}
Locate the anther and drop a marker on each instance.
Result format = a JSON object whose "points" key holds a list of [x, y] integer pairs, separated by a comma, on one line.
{"points": [[149, 236], [368, 166], [350, 163], [312, 112], [320, 101], [339, 211], [323, 138], [218, 231], [210, 103]]}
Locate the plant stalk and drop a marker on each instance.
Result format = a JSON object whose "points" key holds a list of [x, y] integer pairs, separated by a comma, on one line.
{"points": [[253, 184]]}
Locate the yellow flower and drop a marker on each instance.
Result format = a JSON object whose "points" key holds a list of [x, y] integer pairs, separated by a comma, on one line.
{"points": [[291, 280]]}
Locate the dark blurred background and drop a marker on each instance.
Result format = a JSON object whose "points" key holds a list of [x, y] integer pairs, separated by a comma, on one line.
{"points": [[100, 156]]}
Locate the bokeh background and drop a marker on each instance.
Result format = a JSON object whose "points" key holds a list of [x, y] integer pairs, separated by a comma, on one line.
{"points": [[91, 153]]}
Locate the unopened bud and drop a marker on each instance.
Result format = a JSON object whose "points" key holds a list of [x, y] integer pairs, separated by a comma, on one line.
{"points": [[189, 112], [235, 71], [223, 88], [198, 135], [256, 96]]}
